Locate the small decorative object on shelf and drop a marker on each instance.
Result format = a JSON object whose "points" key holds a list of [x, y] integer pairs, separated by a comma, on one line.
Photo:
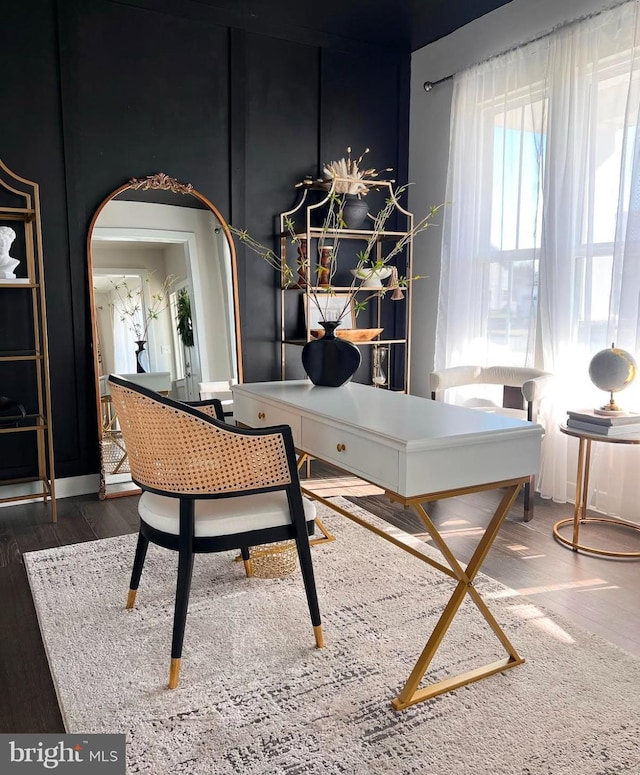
{"points": [[350, 334], [371, 278], [348, 175], [324, 269], [349, 179], [379, 376], [7, 262], [355, 211], [612, 370]]}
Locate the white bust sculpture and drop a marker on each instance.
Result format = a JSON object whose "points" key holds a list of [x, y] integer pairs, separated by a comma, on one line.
{"points": [[7, 263]]}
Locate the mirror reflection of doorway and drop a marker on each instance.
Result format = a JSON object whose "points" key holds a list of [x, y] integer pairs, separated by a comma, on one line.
{"points": [[160, 226]]}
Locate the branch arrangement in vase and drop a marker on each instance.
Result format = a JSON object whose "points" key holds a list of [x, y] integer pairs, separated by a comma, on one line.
{"points": [[343, 178], [130, 305]]}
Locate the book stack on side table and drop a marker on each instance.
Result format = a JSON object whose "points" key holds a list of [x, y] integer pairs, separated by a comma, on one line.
{"points": [[587, 420]]}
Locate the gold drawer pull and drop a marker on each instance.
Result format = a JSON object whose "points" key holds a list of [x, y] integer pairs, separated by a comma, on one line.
{"points": [[261, 415], [340, 447]]}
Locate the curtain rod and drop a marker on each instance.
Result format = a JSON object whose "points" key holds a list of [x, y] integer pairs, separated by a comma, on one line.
{"points": [[429, 85]]}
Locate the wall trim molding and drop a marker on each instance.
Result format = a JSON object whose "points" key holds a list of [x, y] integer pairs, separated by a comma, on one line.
{"points": [[65, 488]]}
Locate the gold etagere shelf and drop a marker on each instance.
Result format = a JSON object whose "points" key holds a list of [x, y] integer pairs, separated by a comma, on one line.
{"points": [[26, 219], [313, 235]]}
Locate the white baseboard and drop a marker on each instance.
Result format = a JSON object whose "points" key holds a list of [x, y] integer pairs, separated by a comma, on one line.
{"points": [[65, 488]]}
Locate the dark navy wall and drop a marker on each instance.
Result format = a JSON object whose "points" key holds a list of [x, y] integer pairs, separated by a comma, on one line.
{"points": [[242, 106]]}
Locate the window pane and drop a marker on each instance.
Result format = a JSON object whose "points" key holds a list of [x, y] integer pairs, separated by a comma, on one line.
{"points": [[517, 178], [511, 306]]}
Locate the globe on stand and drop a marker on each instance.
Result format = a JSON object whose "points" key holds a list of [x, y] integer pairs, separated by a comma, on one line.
{"points": [[612, 370]]}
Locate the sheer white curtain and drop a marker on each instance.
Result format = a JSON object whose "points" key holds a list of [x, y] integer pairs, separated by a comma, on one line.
{"points": [[541, 240]]}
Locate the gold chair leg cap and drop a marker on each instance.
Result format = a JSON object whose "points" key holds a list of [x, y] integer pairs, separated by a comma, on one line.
{"points": [[248, 568], [174, 673], [317, 631], [131, 598]]}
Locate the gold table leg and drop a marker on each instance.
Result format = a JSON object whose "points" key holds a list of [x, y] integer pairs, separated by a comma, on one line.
{"points": [[411, 694], [580, 512]]}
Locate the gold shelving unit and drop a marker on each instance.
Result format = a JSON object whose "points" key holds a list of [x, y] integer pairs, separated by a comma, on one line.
{"points": [[303, 215], [25, 221]]}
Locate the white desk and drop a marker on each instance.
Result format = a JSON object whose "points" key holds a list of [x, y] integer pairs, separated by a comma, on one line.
{"points": [[418, 450]]}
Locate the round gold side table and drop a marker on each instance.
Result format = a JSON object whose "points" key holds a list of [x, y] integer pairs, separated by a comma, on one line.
{"points": [[582, 493]]}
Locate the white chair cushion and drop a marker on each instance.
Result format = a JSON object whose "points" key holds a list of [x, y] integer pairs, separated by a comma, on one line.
{"points": [[222, 516]]}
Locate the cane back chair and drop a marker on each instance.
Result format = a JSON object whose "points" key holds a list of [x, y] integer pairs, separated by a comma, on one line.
{"points": [[210, 487], [522, 390]]}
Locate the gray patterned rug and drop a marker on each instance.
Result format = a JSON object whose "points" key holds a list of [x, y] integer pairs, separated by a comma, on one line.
{"points": [[256, 697]]}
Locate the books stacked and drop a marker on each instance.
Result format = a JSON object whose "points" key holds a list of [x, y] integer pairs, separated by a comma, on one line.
{"points": [[621, 424]]}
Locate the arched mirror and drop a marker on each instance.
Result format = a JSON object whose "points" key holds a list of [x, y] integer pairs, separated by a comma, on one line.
{"points": [[164, 301]]}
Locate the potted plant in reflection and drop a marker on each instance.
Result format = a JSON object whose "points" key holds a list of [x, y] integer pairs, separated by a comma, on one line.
{"points": [[130, 305], [373, 265], [184, 321]]}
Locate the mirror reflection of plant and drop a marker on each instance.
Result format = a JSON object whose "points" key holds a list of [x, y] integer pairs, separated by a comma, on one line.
{"points": [[183, 318], [132, 303], [331, 232]]}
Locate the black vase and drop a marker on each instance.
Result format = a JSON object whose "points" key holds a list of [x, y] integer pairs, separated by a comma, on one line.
{"points": [[329, 361], [140, 369], [354, 212]]}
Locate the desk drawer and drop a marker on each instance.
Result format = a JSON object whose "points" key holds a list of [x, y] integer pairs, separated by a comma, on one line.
{"points": [[356, 454], [257, 414]]}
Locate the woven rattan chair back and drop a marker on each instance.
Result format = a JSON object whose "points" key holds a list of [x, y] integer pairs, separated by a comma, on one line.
{"points": [[179, 449]]}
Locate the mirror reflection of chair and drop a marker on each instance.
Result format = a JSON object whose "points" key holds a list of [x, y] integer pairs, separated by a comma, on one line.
{"points": [[210, 487], [523, 389], [220, 390], [114, 451]]}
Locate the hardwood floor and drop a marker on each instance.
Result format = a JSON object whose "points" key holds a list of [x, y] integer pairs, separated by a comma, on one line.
{"points": [[597, 594]]}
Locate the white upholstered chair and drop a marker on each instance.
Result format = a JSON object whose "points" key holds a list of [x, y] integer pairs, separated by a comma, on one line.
{"points": [[210, 487], [523, 388]]}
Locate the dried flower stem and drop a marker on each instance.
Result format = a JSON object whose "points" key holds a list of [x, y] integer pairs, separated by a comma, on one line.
{"points": [[132, 304]]}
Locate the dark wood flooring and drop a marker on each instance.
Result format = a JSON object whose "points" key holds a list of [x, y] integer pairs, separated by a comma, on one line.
{"points": [[600, 595]]}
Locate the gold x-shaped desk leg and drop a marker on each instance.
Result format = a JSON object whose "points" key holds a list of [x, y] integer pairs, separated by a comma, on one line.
{"points": [[411, 694]]}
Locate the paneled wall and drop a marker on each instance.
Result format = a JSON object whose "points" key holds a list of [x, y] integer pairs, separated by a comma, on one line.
{"points": [[95, 92]]}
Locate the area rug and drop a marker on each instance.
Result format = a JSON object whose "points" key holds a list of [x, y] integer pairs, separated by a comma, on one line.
{"points": [[256, 697]]}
